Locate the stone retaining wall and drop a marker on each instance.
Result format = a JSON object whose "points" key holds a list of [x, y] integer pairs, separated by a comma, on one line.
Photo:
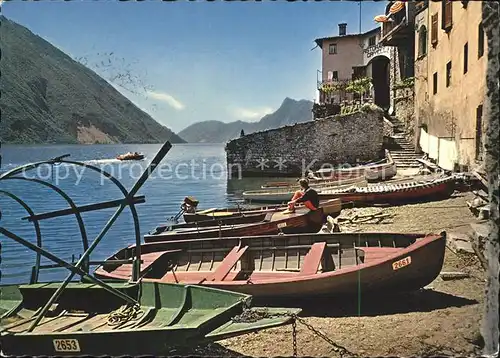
{"points": [[291, 150]]}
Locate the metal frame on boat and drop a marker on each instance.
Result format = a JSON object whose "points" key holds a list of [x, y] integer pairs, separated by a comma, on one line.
{"points": [[94, 317]]}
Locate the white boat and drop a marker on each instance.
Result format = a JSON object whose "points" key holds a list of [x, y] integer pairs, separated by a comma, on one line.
{"points": [[283, 195]]}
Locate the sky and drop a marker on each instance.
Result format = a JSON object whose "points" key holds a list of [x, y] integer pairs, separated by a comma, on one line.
{"points": [[186, 62]]}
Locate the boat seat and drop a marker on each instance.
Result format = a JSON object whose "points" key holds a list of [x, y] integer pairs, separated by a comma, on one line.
{"points": [[227, 264], [313, 259], [206, 211], [147, 262], [222, 214]]}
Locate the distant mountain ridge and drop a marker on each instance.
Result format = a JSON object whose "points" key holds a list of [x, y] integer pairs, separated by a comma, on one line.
{"points": [[47, 97], [290, 112]]}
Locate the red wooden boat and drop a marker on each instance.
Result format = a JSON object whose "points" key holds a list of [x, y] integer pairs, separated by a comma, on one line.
{"points": [[394, 193], [291, 266], [330, 207], [302, 220]]}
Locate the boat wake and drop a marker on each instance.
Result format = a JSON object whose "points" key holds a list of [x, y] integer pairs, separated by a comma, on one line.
{"points": [[102, 161]]}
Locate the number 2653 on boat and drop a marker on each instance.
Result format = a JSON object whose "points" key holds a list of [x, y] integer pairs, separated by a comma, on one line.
{"points": [[66, 345], [401, 263]]}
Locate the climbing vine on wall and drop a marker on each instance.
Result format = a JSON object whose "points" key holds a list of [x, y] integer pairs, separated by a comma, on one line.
{"points": [[405, 83]]}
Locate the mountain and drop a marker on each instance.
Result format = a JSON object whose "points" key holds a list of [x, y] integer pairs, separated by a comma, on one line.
{"points": [[290, 112], [47, 97]]}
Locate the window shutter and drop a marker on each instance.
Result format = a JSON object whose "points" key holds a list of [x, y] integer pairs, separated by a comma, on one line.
{"points": [[434, 29], [448, 14]]}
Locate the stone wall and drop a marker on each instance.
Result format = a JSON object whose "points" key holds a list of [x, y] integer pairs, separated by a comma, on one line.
{"points": [[491, 323], [291, 150], [404, 106], [401, 69]]}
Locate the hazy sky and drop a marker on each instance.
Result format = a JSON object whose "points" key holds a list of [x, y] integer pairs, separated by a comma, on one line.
{"points": [[202, 60]]}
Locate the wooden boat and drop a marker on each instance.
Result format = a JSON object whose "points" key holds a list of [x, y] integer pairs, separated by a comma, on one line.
{"points": [[130, 156], [302, 220], [88, 320], [381, 170], [292, 266], [395, 193], [336, 180], [283, 195], [330, 207]]}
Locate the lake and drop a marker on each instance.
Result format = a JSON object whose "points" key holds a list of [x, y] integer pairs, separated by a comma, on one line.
{"points": [[197, 170]]}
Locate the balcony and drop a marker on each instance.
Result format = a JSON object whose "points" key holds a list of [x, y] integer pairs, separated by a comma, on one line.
{"points": [[400, 29]]}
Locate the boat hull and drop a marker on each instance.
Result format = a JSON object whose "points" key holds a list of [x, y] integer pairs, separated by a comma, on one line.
{"points": [[280, 195], [330, 207], [306, 222], [167, 321], [420, 259], [402, 195]]}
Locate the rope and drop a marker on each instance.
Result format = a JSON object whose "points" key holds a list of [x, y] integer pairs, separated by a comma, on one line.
{"points": [[124, 314]]}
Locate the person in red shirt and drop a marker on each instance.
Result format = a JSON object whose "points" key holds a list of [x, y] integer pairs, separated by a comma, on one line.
{"points": [[306, 195]]}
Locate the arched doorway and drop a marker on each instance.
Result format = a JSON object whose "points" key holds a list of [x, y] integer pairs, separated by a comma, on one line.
{"points": [[380, 77]]}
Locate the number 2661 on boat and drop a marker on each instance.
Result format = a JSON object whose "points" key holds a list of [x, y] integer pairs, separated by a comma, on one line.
{"points": [[401, 263]]}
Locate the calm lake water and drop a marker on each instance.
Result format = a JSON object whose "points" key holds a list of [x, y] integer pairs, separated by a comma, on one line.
{"points": [[197, 170]]}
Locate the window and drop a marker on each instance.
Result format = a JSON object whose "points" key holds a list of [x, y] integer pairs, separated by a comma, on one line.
{"points": [[480, 39], [479, 132], [447, 18], [372, 40], [358, 72], [422, 41], [335, 75], [466, 57], [332, 49], [434, 29], [435, 83], [448, 74]]}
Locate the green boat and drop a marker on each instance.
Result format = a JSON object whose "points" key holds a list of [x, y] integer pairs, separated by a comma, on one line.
{"points": [[94, 317], [89, 320]]}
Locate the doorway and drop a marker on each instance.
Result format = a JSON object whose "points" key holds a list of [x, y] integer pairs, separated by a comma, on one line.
{"points": [[380, 76]]}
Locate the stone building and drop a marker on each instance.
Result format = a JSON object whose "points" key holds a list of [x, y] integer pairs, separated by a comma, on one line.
{"points": [[349, 56], [450, 81]]}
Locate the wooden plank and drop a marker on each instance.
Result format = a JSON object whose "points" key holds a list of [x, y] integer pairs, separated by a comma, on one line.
{"points": [[227, 264], [313, 259]]}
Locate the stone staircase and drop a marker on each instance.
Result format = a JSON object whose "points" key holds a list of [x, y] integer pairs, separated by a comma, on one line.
{"points": [[401, 149]]}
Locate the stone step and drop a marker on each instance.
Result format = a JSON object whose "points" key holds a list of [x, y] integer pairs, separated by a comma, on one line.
{"points": [[405, 166], [409, 153], [405, 157]]}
